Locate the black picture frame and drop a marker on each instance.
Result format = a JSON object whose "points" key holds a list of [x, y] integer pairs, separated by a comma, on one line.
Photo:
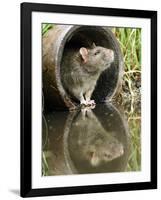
{"points": [[26, 103]]}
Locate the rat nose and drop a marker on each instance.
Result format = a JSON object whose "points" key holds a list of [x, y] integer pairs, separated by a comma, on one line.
{"points": [[110, 53]]}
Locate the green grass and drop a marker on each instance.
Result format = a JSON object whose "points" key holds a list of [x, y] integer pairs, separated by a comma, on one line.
{"points": [[130, 44], [45, 28]]}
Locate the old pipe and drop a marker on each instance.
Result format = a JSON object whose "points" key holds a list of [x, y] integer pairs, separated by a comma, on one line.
{"points": [[55, 43]]}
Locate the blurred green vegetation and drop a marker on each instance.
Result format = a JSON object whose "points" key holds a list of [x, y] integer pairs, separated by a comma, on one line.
{"points": [[130, 44]]}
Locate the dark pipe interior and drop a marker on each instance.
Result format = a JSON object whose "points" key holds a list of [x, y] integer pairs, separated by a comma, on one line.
{"points": [[85, 36]]}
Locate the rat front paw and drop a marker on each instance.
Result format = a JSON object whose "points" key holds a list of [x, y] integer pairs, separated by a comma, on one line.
{"points": [[84, 103], [88, 103], [91, 102]]}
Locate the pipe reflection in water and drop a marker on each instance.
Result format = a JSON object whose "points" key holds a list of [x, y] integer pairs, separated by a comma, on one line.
{"points": [[86, 141]]}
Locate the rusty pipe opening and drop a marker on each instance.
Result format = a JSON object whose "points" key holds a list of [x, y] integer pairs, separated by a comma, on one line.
{"points": [[56, 42]]}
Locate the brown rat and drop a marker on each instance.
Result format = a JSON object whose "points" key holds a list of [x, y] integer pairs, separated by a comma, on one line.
{"points": [[81, 69]]}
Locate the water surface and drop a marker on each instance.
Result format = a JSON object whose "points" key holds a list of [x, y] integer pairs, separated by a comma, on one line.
{"points": [[88, 140]]}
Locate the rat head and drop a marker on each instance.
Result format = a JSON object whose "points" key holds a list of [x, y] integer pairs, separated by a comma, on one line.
{"points": [[103, 151], [96, 59]]}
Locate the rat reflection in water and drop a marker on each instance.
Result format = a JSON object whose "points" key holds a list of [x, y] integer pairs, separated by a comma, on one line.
{"points": [[86, 141], [94, 144]]}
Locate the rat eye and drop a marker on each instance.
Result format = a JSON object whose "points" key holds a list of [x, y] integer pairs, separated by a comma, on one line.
{"points": [[97, 52], [107, 156]]}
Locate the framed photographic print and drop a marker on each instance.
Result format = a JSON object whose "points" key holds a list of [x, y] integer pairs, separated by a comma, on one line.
{"points": [[88, 99]]}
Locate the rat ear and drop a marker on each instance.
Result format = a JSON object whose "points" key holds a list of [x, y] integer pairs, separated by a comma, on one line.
{"points": [[93, 45], [84, 53]]}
